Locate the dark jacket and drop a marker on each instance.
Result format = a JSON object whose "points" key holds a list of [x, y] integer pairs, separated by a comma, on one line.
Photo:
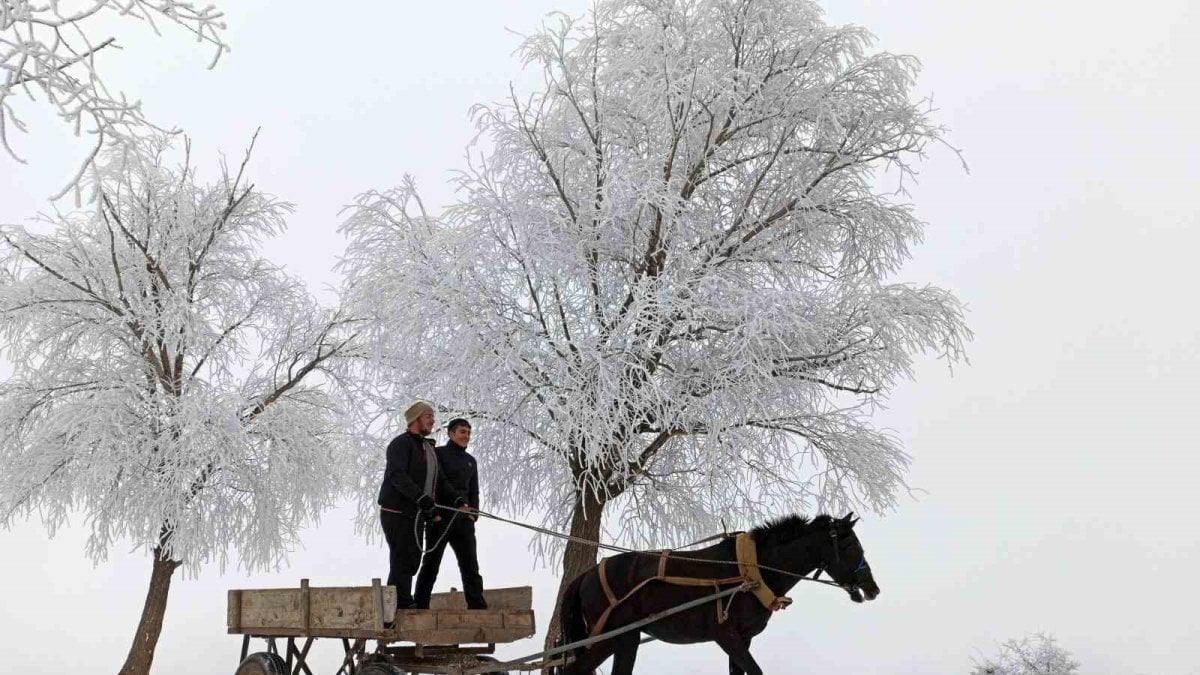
{"points": [[459, 468], [404, 476]]}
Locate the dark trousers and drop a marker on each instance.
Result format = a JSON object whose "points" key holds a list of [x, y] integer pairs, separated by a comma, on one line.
{"points": [[404, 554], [461, 538]]}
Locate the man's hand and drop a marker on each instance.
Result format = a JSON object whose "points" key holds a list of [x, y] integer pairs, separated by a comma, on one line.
{"points": [[425, 503], [471, 512]]}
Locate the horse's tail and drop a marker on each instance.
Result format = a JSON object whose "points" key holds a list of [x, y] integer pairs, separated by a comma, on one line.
{"points": [[570, 620]]}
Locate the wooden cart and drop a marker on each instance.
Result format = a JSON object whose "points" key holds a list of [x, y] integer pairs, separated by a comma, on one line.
{"points": [[446, 638]]}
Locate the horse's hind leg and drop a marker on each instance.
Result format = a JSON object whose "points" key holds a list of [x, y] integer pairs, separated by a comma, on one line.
{"points": [[626, 652], [738, 649]]}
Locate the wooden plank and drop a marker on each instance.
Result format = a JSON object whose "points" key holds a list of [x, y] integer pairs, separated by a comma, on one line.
{"points": [[435, 651], [305, 604], [520, 597], [270, 608], [517, 619], [351, 611], [365, 634], [462, 636], [446, 627], [420, 626], [338, 609], [377, 609], [458, 636], [360, 612], [469, 619], [233, 616], [414, 620]]}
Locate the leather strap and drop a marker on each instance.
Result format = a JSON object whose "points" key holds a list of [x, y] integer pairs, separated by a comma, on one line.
{"points": [[614, 601], [747, 560], [608, 591]]}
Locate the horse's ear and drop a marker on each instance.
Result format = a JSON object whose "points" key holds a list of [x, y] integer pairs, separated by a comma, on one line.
{"points": [[848, 519]]}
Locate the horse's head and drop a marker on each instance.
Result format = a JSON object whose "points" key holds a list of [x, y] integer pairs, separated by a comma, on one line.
{"points": [[843, 558]]}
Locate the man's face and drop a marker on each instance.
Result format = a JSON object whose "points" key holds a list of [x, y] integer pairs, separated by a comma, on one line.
{"points": [[424, 424], [461, 435]]}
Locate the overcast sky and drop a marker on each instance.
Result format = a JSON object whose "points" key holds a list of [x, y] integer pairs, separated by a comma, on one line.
{"points": [[1056, 469]]}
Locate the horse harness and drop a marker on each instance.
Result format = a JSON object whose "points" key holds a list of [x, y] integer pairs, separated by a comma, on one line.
{"points": [[748, 572]]}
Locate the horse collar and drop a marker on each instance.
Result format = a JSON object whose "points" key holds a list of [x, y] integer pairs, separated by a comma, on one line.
{"points": [[747, 559]]}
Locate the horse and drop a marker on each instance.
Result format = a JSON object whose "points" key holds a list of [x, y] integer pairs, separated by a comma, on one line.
{"points": [[632, 586]]}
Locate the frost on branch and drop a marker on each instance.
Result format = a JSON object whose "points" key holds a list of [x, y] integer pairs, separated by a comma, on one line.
{"points": [[49, 50], [169, 384], [1038, 654], [669, 281]]}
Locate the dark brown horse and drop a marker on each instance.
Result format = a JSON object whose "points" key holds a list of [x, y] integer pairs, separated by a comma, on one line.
{"points": [[788, 549]]}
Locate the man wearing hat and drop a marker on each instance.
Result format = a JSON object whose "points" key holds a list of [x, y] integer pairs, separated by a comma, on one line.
{"points": [[411, 483]]}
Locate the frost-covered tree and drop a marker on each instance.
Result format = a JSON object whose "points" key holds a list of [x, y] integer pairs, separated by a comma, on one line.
{"points": [[169, 384], [1038, 654], [49, 49], [667, 289]]}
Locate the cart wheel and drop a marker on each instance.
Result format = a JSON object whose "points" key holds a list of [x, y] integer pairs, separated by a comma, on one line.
{"points": [[381, 668], [262, 663], [489, 659]]}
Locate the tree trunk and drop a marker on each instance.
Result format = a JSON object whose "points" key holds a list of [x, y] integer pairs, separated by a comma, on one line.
{"points": [[586, 519], [141, 653]]}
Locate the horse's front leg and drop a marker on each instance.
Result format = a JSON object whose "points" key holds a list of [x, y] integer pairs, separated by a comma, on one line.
{"points": [[738, 649], [626, 652]]}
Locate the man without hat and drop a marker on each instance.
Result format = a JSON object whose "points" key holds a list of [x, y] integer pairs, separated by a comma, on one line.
{"points": [[458, 531], [412, 481]]}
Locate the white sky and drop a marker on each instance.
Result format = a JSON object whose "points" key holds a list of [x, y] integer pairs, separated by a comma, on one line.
{"points": [[1056, 469]]}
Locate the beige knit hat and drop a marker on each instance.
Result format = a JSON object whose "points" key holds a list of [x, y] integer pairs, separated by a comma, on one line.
{"points": [[415, 410]]}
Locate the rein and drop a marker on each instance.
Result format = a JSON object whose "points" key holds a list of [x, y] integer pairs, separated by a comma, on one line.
{"points": [[418, 531], [622, 549]]}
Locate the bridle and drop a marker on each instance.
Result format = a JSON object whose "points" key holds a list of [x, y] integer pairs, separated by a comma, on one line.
{"points": [[852, 588]]}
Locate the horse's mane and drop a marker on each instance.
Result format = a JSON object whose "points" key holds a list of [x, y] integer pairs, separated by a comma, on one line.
{"points": [[787, 528]]}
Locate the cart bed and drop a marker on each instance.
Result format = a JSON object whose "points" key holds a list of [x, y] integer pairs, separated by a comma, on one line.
{"points": [[363, 612]]}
